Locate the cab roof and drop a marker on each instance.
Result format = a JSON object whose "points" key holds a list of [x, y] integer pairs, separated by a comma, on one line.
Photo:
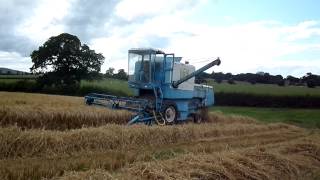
{"points": [[145, 51]]}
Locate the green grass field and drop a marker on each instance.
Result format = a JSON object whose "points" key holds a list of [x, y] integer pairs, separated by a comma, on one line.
{"points": [[240, 87], [19, 77], [114, 86], [9, 80], [264, 89], [15, 79], [309, 118]]}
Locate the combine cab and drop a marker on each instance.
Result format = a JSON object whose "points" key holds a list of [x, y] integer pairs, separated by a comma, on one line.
{"points": [[164, 89]]}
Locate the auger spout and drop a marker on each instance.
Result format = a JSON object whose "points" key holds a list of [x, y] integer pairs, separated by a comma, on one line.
{"points": [[217, 62]]}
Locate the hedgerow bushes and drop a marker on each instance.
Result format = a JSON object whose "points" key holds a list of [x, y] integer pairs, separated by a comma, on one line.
{"points": [[255, 100]]}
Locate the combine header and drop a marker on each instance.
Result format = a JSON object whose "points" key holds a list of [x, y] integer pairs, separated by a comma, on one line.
{"points": [[164, 89]]}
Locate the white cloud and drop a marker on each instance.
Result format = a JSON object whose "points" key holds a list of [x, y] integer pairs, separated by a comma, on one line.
{"points": [[250, 47], [129, 9], [114, 49], [15, 61], [171, 26], [303, 30], [46, 20]]}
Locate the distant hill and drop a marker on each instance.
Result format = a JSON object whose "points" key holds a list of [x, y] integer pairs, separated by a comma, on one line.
{"points": [[8, 71]]}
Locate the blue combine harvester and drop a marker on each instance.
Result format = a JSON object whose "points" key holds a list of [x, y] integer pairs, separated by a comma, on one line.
{"points": [[164, 89]]}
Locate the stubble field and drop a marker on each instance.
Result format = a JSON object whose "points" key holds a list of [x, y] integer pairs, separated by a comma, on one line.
{"points": [[58, 137]]}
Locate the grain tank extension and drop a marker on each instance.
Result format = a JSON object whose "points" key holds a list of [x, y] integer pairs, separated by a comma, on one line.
{"points": [[164, 89]]}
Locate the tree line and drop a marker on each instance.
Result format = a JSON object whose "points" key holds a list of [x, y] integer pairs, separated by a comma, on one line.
{"points": [[310, 80]]}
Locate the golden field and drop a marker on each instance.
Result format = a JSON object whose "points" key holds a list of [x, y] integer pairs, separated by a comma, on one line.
{"points": [[58, 137]]}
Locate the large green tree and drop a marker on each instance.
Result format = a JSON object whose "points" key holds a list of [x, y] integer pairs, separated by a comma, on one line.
{"points": [[64, 60]]}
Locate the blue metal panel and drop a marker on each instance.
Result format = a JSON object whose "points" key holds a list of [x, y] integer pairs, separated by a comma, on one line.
{"points": [[183, 109], [172, 93], [205, 93], [199, 92], [168, 67], [210, 98]]}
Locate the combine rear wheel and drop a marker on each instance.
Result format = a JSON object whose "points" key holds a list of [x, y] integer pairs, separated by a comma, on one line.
{"points": [[204, 114], [197, 118], [170, 114], [201, 116]]}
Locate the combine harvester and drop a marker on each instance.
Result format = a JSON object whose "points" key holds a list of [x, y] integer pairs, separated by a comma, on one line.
{"points": [[164, 90]]}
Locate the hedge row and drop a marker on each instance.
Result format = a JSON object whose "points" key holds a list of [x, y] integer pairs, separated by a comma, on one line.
{"points": [[21, 85], [241, 99], [33, 87]]}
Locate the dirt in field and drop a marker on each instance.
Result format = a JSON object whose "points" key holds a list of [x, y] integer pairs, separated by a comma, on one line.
{"points": [[33, 146]]}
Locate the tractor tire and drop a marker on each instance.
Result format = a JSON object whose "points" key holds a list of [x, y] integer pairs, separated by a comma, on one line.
{"points": [[89, 101], [204, 114], [201, 116], [197, 118], [170, 114]]}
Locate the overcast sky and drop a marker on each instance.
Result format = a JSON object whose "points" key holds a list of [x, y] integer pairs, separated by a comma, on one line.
{"points": [[280, 37]]}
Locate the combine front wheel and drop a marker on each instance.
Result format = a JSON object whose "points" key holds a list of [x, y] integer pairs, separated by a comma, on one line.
{"points": [[89, 101]]}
